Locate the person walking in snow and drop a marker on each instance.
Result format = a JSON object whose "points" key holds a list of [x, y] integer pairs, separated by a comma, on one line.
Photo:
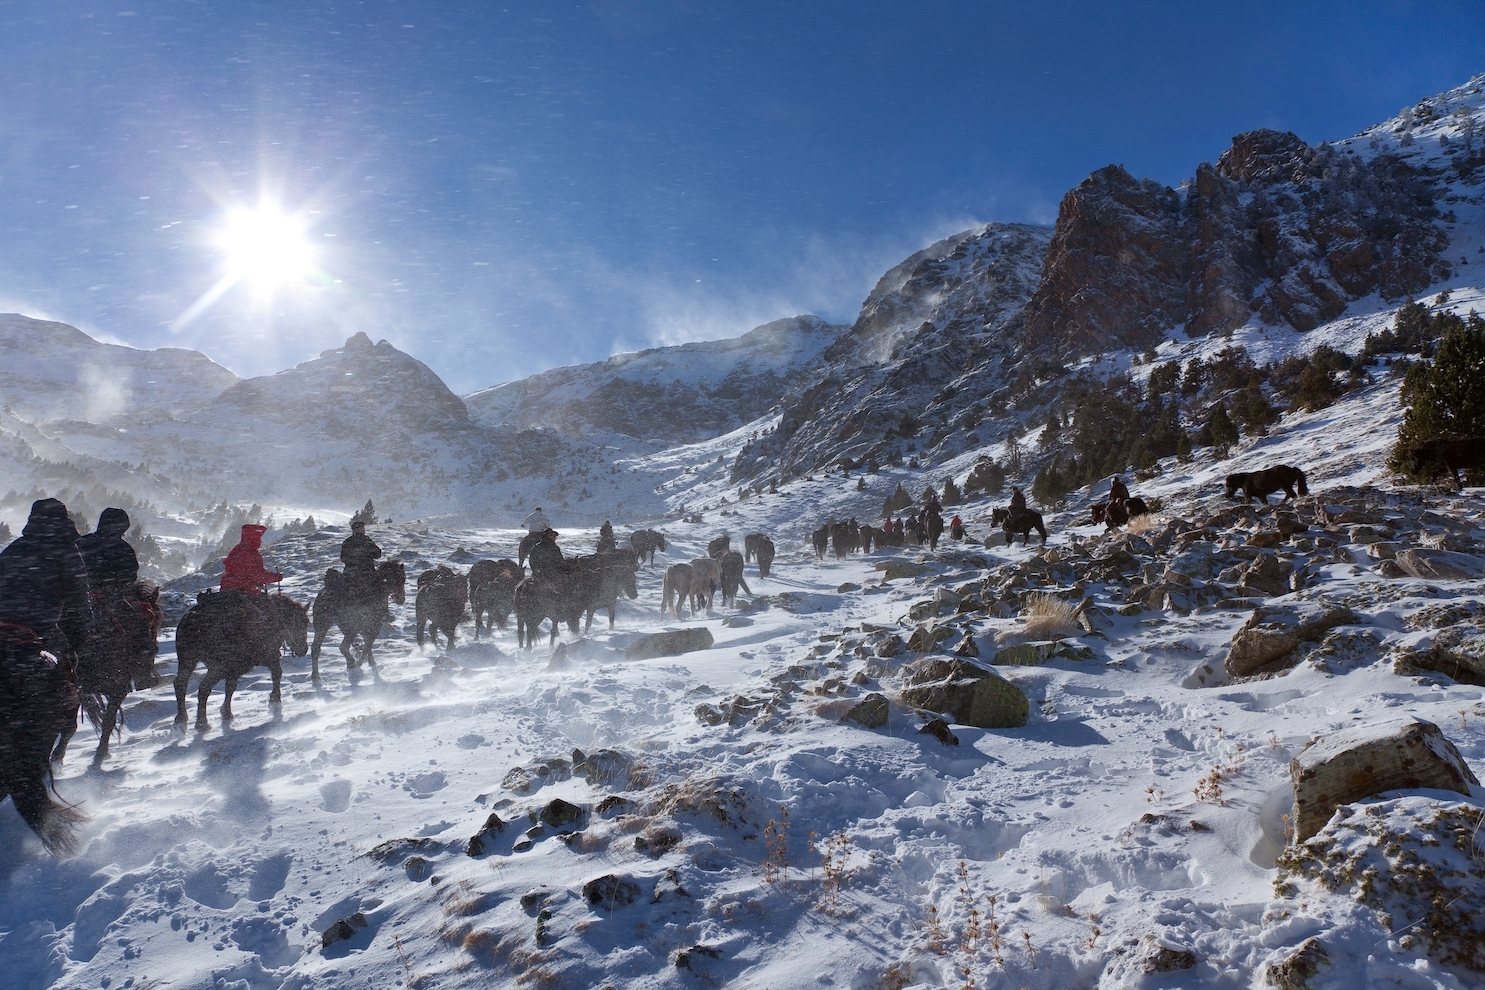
{"points": [[243, 569]]}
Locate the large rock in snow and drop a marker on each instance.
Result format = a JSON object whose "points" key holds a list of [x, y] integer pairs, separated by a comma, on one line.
{"points": [[1441, 565], [1397, 754], [1272, 634], [971, 694], [669, 644]]}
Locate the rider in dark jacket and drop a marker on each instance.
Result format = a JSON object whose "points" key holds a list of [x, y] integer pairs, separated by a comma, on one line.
{"points": [[546, 556], [112, 564], [1117, 491], [606, 541], [43, 581], [359, 552], [1018, 502]]}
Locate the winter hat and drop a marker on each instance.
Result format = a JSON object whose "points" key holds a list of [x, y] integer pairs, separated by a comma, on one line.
{"points": [[113, 522], [49, 518]]}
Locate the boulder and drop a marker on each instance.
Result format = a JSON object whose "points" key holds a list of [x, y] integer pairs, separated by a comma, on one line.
{"points": [[870, 712], [967, 646], [939, 729], [969, 693], [1292, 970], [609, 892], [671, 643], [345, 928], [1441, 565], [478, 842], [559, 813], [926, 638], [893, 570], [1459, 651], [888, 646], [1024, 654], [1272, 633], [1397, 754]]}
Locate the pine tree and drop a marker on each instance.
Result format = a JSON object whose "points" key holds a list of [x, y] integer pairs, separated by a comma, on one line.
{"points": [[1445, 400], [1221, 431], [1183, 447], [367, 514], [952, 494]]}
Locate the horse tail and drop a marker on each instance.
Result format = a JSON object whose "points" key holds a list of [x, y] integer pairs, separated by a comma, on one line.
{"points": [[1304, 489], [94, 705], [667, 591]]}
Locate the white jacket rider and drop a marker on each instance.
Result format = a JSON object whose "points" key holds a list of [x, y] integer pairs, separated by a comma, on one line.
{"points": [[537, 522]]}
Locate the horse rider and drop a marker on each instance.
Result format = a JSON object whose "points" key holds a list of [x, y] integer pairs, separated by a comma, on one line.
{"points": [[43, 588], [606, 541], [546, 556], [359, 553], [956, 527], [887, 527], [536, 524], [1018, 503], [113, 572], [243, 569], [932, 507], [1118, 493]]}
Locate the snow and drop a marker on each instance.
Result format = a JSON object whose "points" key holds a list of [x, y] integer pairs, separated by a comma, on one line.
{"points": [[218, 859]]}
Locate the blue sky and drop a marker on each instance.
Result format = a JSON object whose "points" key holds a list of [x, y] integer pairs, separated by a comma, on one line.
{"points": [[500, 188]]}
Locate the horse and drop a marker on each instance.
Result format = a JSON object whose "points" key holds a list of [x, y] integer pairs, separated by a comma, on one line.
{"points": [[868, 535], [492, 591], [1448, 455], [645, 542], [732, 576], [110, 662], [602, 577], [549, 595], [442, 595], [933, 528], [719, 546], [1262, 484], [358, 611], [821, 539], [676, 589], [759, 546], [233, 632], [840, 539], [706, 578], [1023, 523], [911, 531], [1114, 514], [38, 701]]}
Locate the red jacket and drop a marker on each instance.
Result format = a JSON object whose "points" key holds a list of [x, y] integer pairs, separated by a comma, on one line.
{"points": [[243, 569]]}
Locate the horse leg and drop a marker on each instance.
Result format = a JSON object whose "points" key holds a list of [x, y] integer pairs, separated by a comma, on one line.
{"points": [[60, 753], [183, 671], [347, 641], [314, 654], [110, 722], [228, 690], [275, 697], [202, 694]]}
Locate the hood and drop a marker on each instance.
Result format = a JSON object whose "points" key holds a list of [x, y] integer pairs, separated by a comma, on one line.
{"points": [[252, 535], [113, 522], [49, 520]]}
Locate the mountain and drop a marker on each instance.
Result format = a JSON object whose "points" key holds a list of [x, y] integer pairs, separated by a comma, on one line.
{"points": [[51, 371], [667, 395]]}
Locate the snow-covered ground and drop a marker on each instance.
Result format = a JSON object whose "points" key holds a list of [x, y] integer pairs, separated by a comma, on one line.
{"points": [[780, 847]]}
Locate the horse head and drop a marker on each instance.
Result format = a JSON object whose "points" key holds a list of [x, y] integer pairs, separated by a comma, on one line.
{"points": [[292, 620], [1234, 482], [394, 580]]}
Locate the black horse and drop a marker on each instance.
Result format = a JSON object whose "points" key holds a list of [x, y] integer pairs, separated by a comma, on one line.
{"points": [[756, 545], [821, 539], [732, 576], [602, 577], [38, 701], [358, 611], [439, 607], [1023, 522], [1262, 484], [719, 546], [1448, 455], [1114, 514], [232, 632], [931, 529], [120, 655], [492, 592], [551, 595], [645, 542]]}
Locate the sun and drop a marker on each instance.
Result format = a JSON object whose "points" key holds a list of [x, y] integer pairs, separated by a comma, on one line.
{"points": [[266, 248]]}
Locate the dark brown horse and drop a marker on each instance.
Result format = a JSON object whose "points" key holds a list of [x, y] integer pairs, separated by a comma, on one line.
{"points": [[232, 632], [821, 538], [359, 608], [645, 542], [931, 529], [492, 592], [1448, 455], [38, 701], [758, 546], [439, 607], [1116, 513], [602, 578], [1262, 484], [1023, 522], [719, 546], [119, 655], [732, 576]]}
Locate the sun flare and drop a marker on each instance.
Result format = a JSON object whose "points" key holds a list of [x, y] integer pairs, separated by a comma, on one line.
{"points": [[266, 249]]}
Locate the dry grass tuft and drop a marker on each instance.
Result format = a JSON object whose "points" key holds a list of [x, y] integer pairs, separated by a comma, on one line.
{"points": [[1049, 617], [1143, 523]]}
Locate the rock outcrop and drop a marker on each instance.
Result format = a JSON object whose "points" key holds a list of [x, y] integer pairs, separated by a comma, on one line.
{"points": [[969, 693], [1404, 753]]}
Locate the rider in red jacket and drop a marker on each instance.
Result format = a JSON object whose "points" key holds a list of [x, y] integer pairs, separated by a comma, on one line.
{"points": [[243, 569]]}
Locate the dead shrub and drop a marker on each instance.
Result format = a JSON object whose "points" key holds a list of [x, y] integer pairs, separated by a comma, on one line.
{"points": [[1048, 617]]}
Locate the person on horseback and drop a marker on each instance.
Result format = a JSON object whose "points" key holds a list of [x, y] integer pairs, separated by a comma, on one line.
{"points": [[887, 526], [546, 556], [606, 541], [1118, 493], [359, 553], [113, 572], [932, 507], [44, 584], [536, 524], [1018, 502], [956, 527], [243, 569]]}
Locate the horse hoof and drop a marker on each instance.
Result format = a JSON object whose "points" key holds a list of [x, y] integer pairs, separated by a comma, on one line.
{"points": [[203, 726]]}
